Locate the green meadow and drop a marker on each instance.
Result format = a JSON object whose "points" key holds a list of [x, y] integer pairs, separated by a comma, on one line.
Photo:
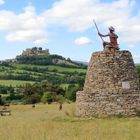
{"points": [[51, 67], [46, 122], [14, 83]]}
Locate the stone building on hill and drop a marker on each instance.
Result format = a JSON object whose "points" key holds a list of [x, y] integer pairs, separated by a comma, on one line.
{"points": [[35, 51], [111, 86]]}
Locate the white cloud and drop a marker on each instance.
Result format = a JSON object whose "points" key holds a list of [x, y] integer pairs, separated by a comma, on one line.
{"points": [[25, 35], [26, 26], [40, 42], [131, 46], [82, 41], [78, 15], [8, 21], [2, 1]]}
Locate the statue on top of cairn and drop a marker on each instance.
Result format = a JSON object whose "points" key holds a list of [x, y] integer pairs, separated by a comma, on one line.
{"points": [[113, 44]]}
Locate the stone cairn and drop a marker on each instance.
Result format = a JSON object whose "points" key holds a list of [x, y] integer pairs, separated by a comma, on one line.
{"points": [[111, 86]]}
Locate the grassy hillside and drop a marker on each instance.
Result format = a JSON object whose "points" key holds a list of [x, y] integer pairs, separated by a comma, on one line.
{"points": [[36, 78], [53, 68], [48, 77], [46, 122], [47, 60], [14, 83]]}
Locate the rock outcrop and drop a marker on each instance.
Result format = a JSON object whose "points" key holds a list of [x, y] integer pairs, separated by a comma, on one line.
{"points": [[111, 86]]}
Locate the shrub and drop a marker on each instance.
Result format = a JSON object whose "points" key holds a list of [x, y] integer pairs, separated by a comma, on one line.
{"points": [[34, 98], [47, 98], [71, 92]]}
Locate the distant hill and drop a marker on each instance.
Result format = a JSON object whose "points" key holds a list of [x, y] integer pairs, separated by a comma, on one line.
{"points": [[81, 62], [36, 65], [35, 68], [38, 56]]}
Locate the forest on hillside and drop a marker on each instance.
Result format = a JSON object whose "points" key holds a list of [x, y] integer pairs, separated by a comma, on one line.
{"points": [[45, 78], [29, 82]]}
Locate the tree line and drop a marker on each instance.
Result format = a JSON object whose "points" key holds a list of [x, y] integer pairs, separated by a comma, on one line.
{"points": [[38, 92], [49, 60]]}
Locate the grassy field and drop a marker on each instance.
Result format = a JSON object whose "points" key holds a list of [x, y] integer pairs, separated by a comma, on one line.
{"points": [[52, 67], [46, 122], [14, 83], [19, 74]]}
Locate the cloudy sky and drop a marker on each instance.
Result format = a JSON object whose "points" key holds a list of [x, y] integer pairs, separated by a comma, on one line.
{"points": [[65, 27]]}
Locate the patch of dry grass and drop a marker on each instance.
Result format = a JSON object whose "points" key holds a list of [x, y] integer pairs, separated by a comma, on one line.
{"points": [[46, 122]]}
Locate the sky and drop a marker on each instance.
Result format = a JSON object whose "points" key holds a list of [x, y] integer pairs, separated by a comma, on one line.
{"points": [[66, 27]]}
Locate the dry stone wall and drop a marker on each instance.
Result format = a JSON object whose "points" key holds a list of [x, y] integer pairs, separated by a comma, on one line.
{"points": [[111, 86]]}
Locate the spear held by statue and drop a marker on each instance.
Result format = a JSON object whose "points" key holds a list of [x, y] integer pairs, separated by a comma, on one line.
{"points": [[97, 29]]}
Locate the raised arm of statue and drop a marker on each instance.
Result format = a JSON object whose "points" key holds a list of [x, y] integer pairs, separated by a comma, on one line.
{"points": [[102, 35]]}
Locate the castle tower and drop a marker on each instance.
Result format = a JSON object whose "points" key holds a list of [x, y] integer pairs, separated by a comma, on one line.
{"points": [[111, 86]]}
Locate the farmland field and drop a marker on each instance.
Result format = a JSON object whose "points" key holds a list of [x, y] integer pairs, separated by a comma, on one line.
{"points": [[14, 83], [46, 122], [51, 67]]}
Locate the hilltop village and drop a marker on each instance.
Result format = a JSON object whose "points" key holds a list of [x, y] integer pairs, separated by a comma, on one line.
{"points": [[35, 51]]}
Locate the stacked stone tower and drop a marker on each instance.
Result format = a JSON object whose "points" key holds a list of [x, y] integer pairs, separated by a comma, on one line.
{"points": [[111, 86]]}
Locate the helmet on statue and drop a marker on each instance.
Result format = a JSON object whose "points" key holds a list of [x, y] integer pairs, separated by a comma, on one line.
{"points": [[111, 28]]}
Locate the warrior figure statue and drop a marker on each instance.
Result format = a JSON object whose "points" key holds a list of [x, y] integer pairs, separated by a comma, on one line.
{"points": [[113, 39]]}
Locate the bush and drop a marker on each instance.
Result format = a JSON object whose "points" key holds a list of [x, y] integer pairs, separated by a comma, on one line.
{"points": [[34, 98], [47, 98], [1, 102], [71, 92], [60, 99]]}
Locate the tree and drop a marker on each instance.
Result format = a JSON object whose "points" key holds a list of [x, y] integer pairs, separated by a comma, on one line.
{"points": [[34, 98], [1, 102], [47, 98], [60, 99], [68, 59], [32, 93], [71, 92], [34, 48], [40, 48]]}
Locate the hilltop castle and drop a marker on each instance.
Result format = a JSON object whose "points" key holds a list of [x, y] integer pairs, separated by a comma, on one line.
{"points": [[35, 51]]}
